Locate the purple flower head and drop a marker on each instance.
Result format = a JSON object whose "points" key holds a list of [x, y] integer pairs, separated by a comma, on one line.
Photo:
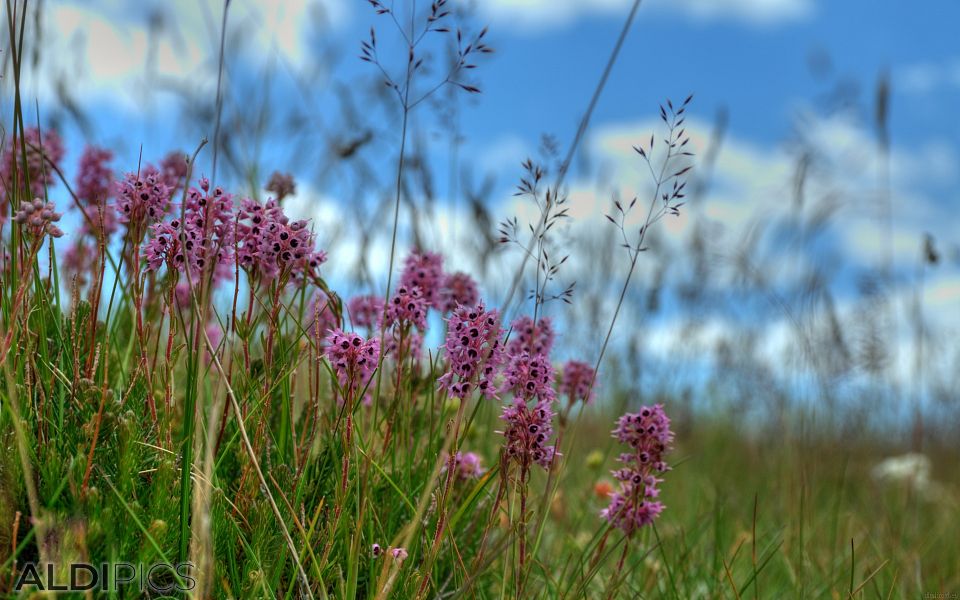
{"points": [[528, 432], [93, 187], [407, 307], [202, 242], [281, 185], [271, 245], [398, 554], [527, 337], [250, 226], [646, 431], [575, 381], [474, 352], [208, 223], [94, 177], [38, 217], [649, 437], [43, 153], [458, 289], [629, 515], [365, 311], [529, 376], [164, 248], [173, 171], [142, 199], [376, 550], [466, 465], [425, 271], [353, 359]]}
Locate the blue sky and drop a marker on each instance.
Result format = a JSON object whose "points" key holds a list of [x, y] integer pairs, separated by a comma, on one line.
{"points": [[785, 70], [546, 67]]}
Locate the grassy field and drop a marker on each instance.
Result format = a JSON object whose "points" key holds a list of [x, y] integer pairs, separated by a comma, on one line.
{"points": [[189, 406]]}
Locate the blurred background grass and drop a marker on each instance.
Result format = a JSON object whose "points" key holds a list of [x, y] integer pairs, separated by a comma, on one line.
{"points": [[799, 320]]}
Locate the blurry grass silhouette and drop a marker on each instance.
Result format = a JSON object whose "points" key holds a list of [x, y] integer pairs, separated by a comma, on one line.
{"points": [[146, 418]]}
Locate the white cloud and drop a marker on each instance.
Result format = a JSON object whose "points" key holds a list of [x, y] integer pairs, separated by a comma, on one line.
{"points": [[929, 77], [503, 154], [543, 14], [112, 50]]}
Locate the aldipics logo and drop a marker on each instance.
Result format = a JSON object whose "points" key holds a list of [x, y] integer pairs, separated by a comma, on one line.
{"points": [[159, 578]]}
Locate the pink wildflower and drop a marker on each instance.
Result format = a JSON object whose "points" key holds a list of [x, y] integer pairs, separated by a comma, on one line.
{"points": [[474, 351], [173, 171], [208, 223], [202, 243], [527, 433], [649, 437], [529, 376], [353, 359], [365, 311], [43, 153], [94, 177], [459, 289], [407, 307], [142, 199], [424, 270], [79, 260], [38, 218], [273, 246], [93, 187], [281, 185], [399, 554], [575, 381], [466, 465], [535, 339], [164, 248]]}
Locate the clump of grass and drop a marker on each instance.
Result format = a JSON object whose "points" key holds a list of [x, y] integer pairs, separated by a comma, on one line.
{"points": [[205, 396]]}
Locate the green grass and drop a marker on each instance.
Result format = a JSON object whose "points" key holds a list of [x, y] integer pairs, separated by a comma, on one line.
{"points": [[254, 472]]}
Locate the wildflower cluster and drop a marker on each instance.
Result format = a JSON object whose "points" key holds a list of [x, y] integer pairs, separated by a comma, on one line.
{"points": [[203, 241], [459, 289], [38, 218], [424, 271], [42, 152], [528, 431], [208, 224], [575, 381], [142, 199], [270, 245], [407, 307], [474, 351], [649, 437], [529, 377], [366, 310], [466, 465], [527, 336], [93, 188], [353, 359], [173, 171], [281, 185], [164, 247]]}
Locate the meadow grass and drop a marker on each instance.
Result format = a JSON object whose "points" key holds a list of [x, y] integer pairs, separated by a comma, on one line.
{"points": [[163, 404]]}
